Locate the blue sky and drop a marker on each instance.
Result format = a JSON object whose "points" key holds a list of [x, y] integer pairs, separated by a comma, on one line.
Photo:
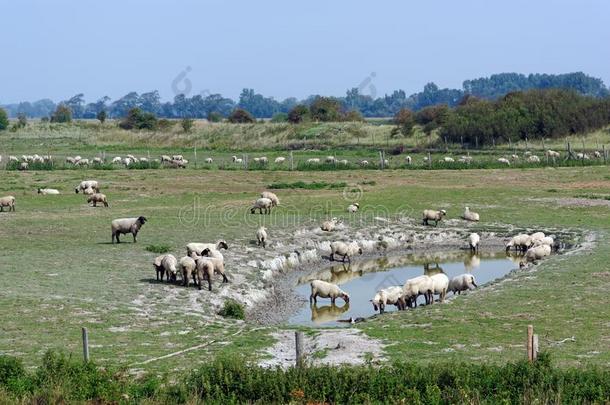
{"points": [[55, 49]]}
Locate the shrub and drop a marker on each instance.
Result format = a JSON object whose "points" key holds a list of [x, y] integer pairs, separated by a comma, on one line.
{"points": [[279, 117], [3, 119], [353, 116], [160, 249], [138, 119], [22, 120], [164, 124], [325, 109], [187, 124], [232, 309], [62, 114], [298, 114], [405, 120], [241, 116], [101, 116], [213, 116]]}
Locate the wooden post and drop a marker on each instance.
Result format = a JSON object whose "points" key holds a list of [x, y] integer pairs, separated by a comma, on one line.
{"points": [[429, 160], [291, 161], [530, 338], [462, 141], [493, 142], [85, 344], [476, 142], [604, 152], [195, 153], [535, 347], [446, 145], [298, 340], [381, 160], [245, 159], [526, 144]]}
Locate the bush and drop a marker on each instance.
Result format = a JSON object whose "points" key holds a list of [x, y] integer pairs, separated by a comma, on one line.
{"points": [[214, 117], [164, 124], [241, 116], [22, 120], [62, 114], [3, 119], [298, 114], [325, 109], [353, 116], [405, 120], [138, 119], [187, 124], [101, 116], [316, 185], [160, 249], [232, 309], [279, 117]]}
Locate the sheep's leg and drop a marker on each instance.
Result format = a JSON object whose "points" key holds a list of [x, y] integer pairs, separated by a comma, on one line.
{"points": [[117, 237], [105, 204], [95, 203], [332, 300], [135, 237], [224, 278]]}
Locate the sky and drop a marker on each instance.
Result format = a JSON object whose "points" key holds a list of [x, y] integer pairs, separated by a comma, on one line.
{"points": [[55, 49]]}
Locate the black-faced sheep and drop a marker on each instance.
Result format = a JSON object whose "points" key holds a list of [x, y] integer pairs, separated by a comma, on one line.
{"points": [[473, 241], [414, 287], [219, 264], [323, 289], [204, 271], [198, 248], [87, 184], [275, 201], [463, 282], [330, 226], [166, 265], [125, 226], [262, 204], [188, 267]]}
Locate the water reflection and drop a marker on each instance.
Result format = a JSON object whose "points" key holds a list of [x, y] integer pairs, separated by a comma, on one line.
{"points": [[327, 313]]}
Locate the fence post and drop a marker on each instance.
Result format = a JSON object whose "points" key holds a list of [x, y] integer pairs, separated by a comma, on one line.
{"points": [[429, 160], [85, 344], [195, 153], [381, 160], [446, 145], [476, 142], [530, 338], [535, 347], [604, 151], [462, 141], [291, 162], [298, 340], [245, 158]]}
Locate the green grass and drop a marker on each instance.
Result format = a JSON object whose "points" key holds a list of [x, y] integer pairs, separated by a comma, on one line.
{"points": [[316, 185], [160, 249]]}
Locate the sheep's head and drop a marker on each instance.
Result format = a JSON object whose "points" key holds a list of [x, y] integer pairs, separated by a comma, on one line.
{"points": [[76, 190], [357, 205], [39, 191], [345, 297], [252, 210], [141, 220], [375, 307], [473, 281], [222, 244], [206, 252], [443, 212], [359, 250]]}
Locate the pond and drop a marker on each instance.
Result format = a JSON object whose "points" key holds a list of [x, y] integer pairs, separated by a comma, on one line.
{"points": [[364, 278]]}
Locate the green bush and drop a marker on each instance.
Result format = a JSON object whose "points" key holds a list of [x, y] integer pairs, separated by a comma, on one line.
{"points": [[232, 309], [3, 119], [160, 249]]}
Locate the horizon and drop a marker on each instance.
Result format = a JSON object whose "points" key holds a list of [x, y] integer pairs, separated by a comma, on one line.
{"points": [[60, 50]]}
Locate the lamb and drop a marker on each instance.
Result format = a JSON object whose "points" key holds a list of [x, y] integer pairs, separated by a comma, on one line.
{"points": [[473, 241], [219, 264], [553, 154], [85, 184], [262, 204], [187, 267], [470, 215], [389, 296], [8, 201], [414, 287], [408, 160], [48, 191], [275, 201], [261, 236], [97, 198], [364, 163], [463, 282], [166, 264], [125, 226], [520, 242], [433, 215], [537, 252], [440, 283], [117, 160], [504, 161], [533, 159], [448, 159], [329, 226], [323, 289], [353, 208], [198, 248], [345, 250], [23, 166], [280, 160]]}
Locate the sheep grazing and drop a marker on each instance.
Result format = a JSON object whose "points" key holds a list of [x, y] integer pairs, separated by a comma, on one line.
{"points": [[323, 289], [597, 154], [275, 201], [473, 241], [414, 287], [448, 159], [219, 264], [70, 160], [343, 162], [166, 158], [83, 162], [98, 161], [125, 226], [465, 159], [204, 270], [552, 154], [117, 160], [48, 191], [187, 267], [547, 240], [433, 215], [408, 160], [353, 208], [8, 201], [330, 159], [23, 166], [262, 204], [533, 159], [179, 164], [504, 161], [97, 198], [519, 242], [313, 160], [463, 282], [364, 163], [261, 236], [235, 159], [87, 184], [470, 215], [198, 248], [166, 265], [389, 296], [514, 157], [13, 159], [440, 284], [209, 161], [280, 160], [345, 250], [330, 226], [582, 156], [537, 252]]}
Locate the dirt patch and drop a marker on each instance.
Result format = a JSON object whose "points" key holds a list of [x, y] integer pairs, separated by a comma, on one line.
{"points": [[575, 202]]}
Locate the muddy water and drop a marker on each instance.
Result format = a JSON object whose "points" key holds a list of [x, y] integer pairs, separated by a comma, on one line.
{"points": [[365, 277]]}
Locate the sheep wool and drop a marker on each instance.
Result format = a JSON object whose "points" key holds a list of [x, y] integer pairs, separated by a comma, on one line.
{"points": [[324, 289], [8, 201], [463, 282], [345, 250], [127, 225]]}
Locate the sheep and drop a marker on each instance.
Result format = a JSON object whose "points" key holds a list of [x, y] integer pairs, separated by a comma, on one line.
{"points": [[125, 226], [547, 240], [537, 252], [433, 215], [504, 161], [219, 264], [535, 237], [187, 266], [13, 159], [48, 191], [323, 289], [256, 160], [117, 160], [98, 161], [345, 250], [330, 226], [582, 156], [275, 201], [204, 271], [552, 154], [85, 184], [23, 166], [343, 162], [88, 191], [597, 154], [470, 215], [264, 160], [414, 287], [97, 198], [514, 157], [473, 241], [166, 264], [389, 296], [353, 208], [262, 204], [177, 157], [313, 160], [209, 160], [235, 159], [330, 159], [465, 159], [448, 159], [408, 159], [165, 158], [520, 242], [461, 283], [533, 159], [261, 236], [364, 163], [179, 163], [280, 160], [8, 201], [440, 283], [144, 160], [83, 162], [198, 248]]}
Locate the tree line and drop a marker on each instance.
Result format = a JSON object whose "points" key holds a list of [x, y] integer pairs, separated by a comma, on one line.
{"points": [[259, 106]]}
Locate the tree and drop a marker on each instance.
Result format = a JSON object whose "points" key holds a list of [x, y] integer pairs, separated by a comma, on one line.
{"points": [[353, 115], [3, 119], [241, 116], [298, 114], [22, 120], [187, 124], [138, 119], [279, 117], [62, 114], [405, 120], [101, 116], [76, 105], [325, 109], [213, 116]]}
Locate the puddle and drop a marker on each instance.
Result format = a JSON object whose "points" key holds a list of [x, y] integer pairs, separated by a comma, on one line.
{"points": [[364, 278]]}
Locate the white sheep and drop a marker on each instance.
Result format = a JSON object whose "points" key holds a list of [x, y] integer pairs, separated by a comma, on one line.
{"points": [[582, 156], [553, 154], [323, 289], [275, 201], [117, 160], [597, 154], [280, 160], [125, 226], [187, 268], [237, 160], [353, 208], [547, 240], [98, 198], [209, 160], [364, 163], [261, 236], [85, 184], [166, 264], [23, 166], [343, 249], [440, 284], [414, 287], [463, 282], [313, 160], [520, 242], [166, 158], [8, 201], [330, 159], [13, 159], [330, 226], [514, 157], [504, 161], [408, 160], [389, 296], [537, 252], [473, 241], [219, 263], [343, 162], [535, 237], [98, 161], [262, 204], [433, 215], [204, 271], [198, 248], [83, 162], [470, 215], [448, 159], [48, 191], [533, 159]]}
